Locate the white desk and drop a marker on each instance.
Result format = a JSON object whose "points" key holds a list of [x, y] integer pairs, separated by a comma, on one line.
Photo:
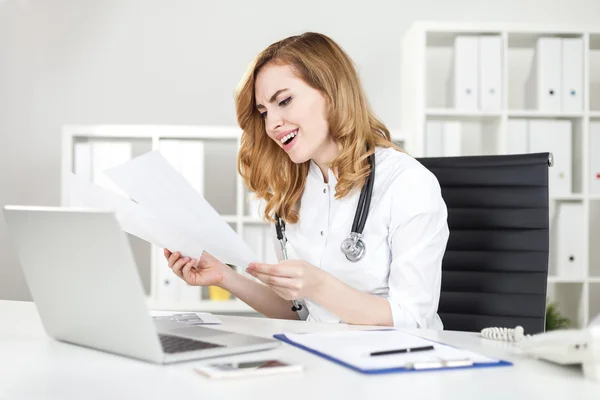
{"points": [[34, 366]]}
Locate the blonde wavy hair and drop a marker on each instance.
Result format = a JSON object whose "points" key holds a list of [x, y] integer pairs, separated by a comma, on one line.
{"points": [[265, 167]]}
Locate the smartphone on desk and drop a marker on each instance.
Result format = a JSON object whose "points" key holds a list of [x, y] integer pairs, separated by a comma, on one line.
{"points": [[247, 368]]}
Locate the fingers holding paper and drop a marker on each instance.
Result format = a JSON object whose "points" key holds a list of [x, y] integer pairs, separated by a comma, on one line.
{"points": [[290, 279], [206, 271]]}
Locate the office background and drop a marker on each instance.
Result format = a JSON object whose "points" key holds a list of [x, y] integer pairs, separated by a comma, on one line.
{"points": [[158, 62]]}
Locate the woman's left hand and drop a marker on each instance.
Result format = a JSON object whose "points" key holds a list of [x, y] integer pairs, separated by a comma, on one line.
{"points": [[290, 279]]}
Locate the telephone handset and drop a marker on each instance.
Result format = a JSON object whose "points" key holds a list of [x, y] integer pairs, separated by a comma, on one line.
{"points": [[504, 334], [567, 346]]}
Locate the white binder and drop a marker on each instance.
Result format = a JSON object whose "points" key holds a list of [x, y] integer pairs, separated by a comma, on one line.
{"points": [[517, 136], [82, 162], [545, 80], [452, 142], [490, 73], [434, 141], [254, 237], [192, 163], [168, 284], [595, 157], [566, 249], [105, 155], [572, 75], [554, 136], [271, 246], [466, 73]]}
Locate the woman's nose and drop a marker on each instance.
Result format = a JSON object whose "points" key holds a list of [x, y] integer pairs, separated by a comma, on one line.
{"points": [[274, 122]]}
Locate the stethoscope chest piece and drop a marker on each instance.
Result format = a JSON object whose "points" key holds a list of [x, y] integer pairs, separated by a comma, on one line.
{"points": [[353, 247]]}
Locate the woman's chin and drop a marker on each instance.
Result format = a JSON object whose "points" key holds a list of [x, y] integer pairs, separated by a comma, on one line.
{"points": [[298, 158]]}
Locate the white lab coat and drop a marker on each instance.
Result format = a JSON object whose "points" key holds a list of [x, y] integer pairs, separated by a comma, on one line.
{"points": [[405, 237]]}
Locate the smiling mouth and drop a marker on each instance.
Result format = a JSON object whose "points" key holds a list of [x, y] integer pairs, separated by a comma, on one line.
{"points": [[293, 135]]}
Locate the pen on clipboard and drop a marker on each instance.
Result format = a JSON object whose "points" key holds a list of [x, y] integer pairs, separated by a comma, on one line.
{"points": [[398, 351]]}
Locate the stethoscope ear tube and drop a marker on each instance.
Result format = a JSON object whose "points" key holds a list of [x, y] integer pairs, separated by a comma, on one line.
{"points": [[364, 201]]}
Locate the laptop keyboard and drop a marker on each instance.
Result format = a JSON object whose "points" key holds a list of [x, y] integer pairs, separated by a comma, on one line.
{"points": [[175, 344]]}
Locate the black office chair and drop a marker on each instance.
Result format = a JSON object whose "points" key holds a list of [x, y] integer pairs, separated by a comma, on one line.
{"points": [[495, 269]]}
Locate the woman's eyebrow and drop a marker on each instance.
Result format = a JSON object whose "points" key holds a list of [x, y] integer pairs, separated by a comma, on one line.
{"points": [[272, 99]]}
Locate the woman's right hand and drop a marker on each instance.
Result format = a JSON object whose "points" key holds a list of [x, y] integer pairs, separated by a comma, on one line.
{"points": [[208, 272]]}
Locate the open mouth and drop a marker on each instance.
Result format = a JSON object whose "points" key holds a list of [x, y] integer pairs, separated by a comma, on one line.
{"points": [[290, 138]]}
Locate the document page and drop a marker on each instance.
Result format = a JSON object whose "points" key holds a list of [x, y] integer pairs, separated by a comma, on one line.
{"points": [[355, 347], [166, 210]]}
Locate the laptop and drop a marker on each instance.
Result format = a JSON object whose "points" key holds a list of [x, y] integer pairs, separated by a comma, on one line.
{"points": [[85, 284]]}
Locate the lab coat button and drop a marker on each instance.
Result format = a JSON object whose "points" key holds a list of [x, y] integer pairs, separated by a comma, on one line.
{"points": [[321, 233]]}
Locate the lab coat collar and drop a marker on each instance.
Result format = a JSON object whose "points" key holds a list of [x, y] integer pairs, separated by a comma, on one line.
{"points": [[315, 172]]}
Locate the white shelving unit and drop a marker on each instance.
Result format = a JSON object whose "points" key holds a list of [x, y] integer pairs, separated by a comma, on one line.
{"points": [[427, 57], [222, 183]]}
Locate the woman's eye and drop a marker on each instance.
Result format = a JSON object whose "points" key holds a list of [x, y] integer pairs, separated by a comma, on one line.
{"points": [[286, 101], [263, 115]]}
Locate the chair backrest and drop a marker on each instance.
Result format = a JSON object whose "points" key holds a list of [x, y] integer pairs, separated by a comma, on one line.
{"points": [[495, 269]]}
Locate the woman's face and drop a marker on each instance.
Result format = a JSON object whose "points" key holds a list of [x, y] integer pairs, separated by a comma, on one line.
{"points": [[291, 107]]}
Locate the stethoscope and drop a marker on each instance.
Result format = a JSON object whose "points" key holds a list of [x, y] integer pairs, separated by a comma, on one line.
{"points": [[352, 247]]}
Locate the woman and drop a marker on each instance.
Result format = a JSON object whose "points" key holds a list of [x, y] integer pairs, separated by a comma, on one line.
{"points": [[308, 133]]}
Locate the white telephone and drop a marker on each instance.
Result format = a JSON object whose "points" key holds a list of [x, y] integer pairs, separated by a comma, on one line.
{"points": [[570, 346]]}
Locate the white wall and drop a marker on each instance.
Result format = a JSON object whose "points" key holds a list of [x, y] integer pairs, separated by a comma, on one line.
{"points": [[177, 62]]}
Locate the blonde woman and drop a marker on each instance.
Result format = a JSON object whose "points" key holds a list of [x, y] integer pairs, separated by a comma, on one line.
{"points": [[308, 138]]}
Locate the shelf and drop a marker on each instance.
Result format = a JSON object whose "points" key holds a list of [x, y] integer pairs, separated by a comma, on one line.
{"points": [[542, 114], [529, 38], [475, 114], [462, 114], [572, 197], [427, 75], [153, 131], [560, 279], [212, 306], [253, 220], [230, 218]]}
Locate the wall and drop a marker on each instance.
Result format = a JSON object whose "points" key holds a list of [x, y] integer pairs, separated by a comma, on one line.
{"points": [[178, 62]]}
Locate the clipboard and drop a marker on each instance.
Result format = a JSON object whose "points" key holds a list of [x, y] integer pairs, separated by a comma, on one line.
{"points": [[441, 365]]}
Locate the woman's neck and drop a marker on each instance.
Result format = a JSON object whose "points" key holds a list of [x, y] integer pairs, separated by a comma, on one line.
{"points": [[325, 158]]}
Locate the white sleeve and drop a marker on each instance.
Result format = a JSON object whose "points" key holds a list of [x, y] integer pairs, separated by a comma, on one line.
{"points": [[418, 236]]}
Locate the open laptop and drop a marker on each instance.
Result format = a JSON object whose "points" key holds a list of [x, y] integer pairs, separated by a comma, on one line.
{"points": [[83, 279]]}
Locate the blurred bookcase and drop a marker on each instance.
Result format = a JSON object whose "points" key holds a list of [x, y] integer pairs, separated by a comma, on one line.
{"points": [[511, 98], [207, 157]]}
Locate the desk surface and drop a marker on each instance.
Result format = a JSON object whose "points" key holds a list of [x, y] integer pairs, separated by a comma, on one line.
{"points": [[34, 366]]}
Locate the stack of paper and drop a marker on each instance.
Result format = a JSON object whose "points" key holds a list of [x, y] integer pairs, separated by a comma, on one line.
{"points": [[166, 210]]}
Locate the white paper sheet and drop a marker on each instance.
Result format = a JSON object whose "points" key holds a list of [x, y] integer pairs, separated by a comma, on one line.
{"points": [[152, 182], [195, 318], [134, 218], [354, 348]]}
